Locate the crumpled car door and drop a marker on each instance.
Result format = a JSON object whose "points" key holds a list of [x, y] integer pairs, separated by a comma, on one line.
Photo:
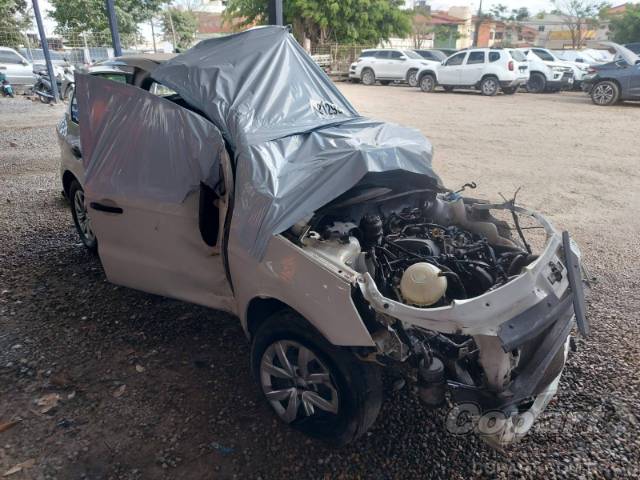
{"points": [[146, 159]]}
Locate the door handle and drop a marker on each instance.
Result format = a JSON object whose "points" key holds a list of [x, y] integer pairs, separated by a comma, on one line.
{"points": [[105, 208], [76, 151]]}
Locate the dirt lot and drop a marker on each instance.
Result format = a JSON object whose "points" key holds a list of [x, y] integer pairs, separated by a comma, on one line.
{"points": [[137, 386]]}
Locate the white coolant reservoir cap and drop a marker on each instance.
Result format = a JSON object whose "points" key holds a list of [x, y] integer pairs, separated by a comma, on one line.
{"points": [[422, 285]]}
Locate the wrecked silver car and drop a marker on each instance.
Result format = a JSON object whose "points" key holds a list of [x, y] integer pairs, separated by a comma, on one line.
{"points": [[256, 188]]}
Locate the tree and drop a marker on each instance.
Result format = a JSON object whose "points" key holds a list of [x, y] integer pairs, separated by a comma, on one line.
{"points": [[579, 16], [15, 17], [626, 28], [420, 26], [75, 16], [501, 12], [179, 27], [343, 21]]}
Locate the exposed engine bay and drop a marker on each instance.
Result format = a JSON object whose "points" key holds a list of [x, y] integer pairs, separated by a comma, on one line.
{"points": [[415, 251]]}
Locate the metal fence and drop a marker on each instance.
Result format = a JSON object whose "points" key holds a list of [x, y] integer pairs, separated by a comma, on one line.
{"points": [[338, 57]]}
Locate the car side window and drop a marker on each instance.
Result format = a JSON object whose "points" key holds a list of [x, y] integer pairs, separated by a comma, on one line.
{"points": [[475, 57], [382, 54], [456, 59], [9, 57], [73, 109], [494, 56], [370, 53], [115, 77], [543, 55], [395, 55]]}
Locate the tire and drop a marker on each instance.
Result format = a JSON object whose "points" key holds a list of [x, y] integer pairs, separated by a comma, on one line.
{"points": [[489, 86], [427, 83], [537, 83], [412, 78], [605, 93], [509, 90], [385, 82], [81, 217], [343, 401], [368, 77]]}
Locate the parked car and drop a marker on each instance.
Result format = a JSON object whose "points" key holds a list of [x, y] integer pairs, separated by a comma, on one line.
{"points": [[547, 73], [447, 51], [486, 69], [388, 65], [614, 81], [432, 54], [329, 235], [17, 69], [634, 47], [36, 57], [577, 56], [131, 70]]}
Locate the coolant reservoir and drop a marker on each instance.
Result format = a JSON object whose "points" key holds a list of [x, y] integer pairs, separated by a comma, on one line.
{"points": [[422, 285]]}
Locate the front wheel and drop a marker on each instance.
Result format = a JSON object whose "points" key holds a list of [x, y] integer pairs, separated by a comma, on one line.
{"points": [[320, 389], [489, 86], [412, 78], [427, 83], [368, 77], [81, 218], [537, 83], [605, 93]]}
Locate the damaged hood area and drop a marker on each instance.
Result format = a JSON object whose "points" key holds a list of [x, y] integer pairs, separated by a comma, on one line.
{"points": [[297, 143]]}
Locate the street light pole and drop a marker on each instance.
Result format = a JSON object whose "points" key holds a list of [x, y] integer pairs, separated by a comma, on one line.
{"points": [[45, 51], [113, 26], [275, 12]]}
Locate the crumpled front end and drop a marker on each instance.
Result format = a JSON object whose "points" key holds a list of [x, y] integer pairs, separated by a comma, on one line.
{"points": [[448, 285]]}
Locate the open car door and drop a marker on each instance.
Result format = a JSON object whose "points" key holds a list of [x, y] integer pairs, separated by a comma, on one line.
{"points": [[155, 188]]}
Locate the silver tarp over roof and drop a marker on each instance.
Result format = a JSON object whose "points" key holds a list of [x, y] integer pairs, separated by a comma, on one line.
{"points": [[297, 143]]}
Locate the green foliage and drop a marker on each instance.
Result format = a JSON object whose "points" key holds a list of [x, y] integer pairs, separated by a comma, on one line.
{"points": [[580, 16], [323, 21], [501, 12], [13, 18], [626, 28], [183, 23], [75, 16]]}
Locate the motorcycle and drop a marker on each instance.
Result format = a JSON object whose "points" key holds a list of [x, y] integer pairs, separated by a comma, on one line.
{"points": [[43, 89], [7, 89]]}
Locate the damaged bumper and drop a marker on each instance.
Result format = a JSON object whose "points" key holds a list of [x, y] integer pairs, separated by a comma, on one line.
{"points": [[522, 330]]}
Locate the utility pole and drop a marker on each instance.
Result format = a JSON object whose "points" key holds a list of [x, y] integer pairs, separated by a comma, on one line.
{"points": [[173, 32], [476, 31], [275, 12], [45, 50], [153, 36], [113, 26]]}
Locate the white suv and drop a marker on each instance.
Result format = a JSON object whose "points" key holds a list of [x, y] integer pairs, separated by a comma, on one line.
{"points": [[487, 69], [388, 65], [548, 73]]}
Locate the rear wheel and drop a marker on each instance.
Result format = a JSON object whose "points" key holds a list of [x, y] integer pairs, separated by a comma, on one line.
{"points": [[320, 389], [368, 77], [427, 83], [537, 83], [605, 93], [489, 86], [80, 216], [412, 78]]}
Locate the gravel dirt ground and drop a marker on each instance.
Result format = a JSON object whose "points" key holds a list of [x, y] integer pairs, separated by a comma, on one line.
{"points": [[99, 381]]}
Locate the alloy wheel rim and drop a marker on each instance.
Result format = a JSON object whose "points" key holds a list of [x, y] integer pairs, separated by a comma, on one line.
{"points": [[603, 94], [412, 79], [368, 77], [296, 382], [82, 215], [489, 87], [426, 83]]}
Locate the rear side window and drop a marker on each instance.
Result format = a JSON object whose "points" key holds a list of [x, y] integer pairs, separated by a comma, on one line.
{"points": [[368, 53], [382, 54], [518, 56], [475, 57], [9, 57], [395, 55], [456, 59], [494, 56]]}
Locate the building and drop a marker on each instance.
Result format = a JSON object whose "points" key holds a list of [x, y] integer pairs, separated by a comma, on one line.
{"points": [[210, 19], [498, 33]]}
